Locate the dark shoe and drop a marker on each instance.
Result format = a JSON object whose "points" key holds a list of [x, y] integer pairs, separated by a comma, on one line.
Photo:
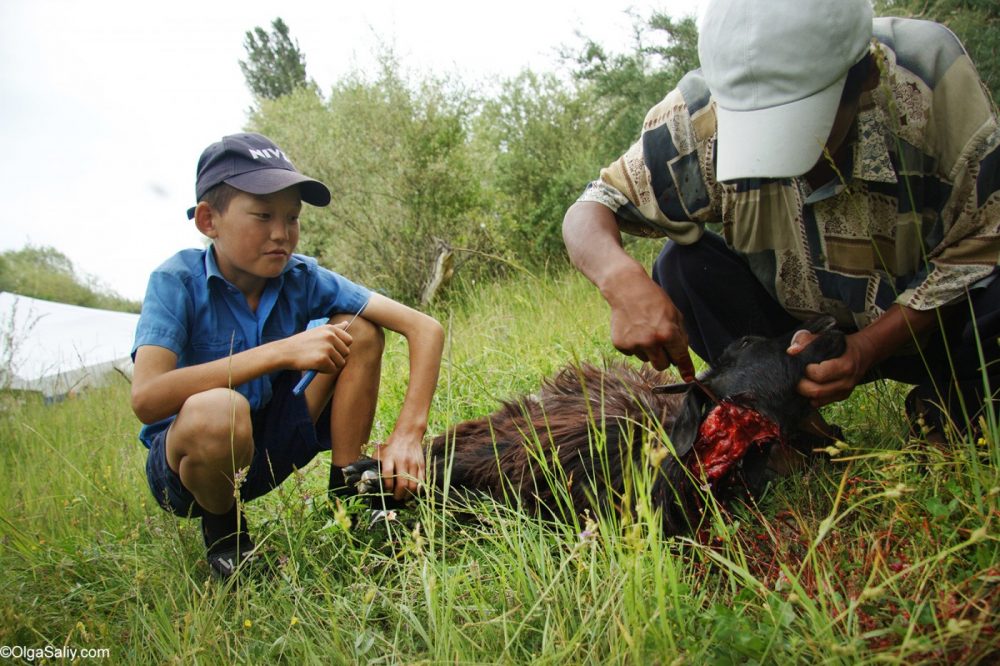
{"points": [[227, 542], [924, 416], [362, 476]]}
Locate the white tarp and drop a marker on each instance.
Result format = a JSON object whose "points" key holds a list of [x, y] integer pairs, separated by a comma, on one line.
{"points": [[56, 348]]}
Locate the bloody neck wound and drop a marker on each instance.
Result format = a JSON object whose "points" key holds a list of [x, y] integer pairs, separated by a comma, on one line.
{"points": [[725, 436]]}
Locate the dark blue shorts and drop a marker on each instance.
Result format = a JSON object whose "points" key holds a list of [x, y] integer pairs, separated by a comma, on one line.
{"points": [[284, 438]]}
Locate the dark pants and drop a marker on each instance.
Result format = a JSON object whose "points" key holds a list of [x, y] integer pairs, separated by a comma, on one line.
{"points": [[721, 300]]}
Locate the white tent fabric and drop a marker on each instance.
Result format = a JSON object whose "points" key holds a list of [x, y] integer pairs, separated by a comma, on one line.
{"points": [[56, 349]]}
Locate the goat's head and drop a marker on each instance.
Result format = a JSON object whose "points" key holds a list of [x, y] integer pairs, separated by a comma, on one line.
{"points": [[749, 397]]}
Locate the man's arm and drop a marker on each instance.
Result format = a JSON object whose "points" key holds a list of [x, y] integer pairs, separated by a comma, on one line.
{"points": [[160, 388], [402, 455], [644, 321]]}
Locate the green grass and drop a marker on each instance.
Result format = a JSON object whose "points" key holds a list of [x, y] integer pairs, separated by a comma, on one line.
{"points": [[887, 553]]}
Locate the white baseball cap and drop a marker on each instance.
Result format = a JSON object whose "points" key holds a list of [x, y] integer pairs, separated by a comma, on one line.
{"points": [[776, 69]]}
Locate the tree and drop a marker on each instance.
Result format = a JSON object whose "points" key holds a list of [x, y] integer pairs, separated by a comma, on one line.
{"points": [[627, 85], [541, 133], [395, 152], [274, 66]]}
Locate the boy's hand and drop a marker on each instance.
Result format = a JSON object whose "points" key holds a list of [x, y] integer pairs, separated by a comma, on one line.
{"points": [[324, 348], [402, 460]]}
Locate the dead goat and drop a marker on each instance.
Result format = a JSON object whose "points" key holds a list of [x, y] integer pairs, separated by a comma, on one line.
{"points": [[593, 422]]}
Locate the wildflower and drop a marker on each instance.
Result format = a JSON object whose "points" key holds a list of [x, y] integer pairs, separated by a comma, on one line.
{"points": [[589, 532], [247, 623], [418, 540], [897, 491], [238, 479], [82, 629], [341, 518], [656, 455], [870, 593], [294, 621]]}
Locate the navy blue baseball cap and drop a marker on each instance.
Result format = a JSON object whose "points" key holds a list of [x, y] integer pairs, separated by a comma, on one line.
{"points": [[253, 164]]}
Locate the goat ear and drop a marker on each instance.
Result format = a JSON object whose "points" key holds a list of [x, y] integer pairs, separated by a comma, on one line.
{"points": [[819, 324], [685, 430], [815, 424]]}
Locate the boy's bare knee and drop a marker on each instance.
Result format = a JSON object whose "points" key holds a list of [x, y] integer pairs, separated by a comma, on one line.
{"points": [[368, 338], [213, 427]]}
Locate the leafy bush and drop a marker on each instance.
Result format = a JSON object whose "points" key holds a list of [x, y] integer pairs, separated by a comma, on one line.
{"points": [[626, 85], [541, 133], [46, 273], [404, 179]]}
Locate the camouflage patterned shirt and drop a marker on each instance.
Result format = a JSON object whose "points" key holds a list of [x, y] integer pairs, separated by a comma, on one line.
{"points": [[915, 219]]}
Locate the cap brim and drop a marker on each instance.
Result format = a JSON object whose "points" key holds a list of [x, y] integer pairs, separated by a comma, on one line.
{"points": [[269, 181], [778, 142]]}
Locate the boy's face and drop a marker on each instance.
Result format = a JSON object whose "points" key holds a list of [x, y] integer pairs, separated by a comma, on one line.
{"points": [[254, 237]]}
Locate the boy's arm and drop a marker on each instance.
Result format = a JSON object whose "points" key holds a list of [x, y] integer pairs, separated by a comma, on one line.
{"points": [[402, 455], [160, 388]]}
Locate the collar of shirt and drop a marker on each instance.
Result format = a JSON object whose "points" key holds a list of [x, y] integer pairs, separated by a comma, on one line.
{"points": [[251, 323], [212, 266], [267, 299]]}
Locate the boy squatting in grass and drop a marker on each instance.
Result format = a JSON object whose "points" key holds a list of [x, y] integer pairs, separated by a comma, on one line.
{"points": [[853, 165], [235, 315]]}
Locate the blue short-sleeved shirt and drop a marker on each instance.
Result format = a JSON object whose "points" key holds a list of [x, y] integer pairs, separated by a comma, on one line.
{"points": [[193, 311]]}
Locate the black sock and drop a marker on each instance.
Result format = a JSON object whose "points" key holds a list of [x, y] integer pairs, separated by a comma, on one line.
{"points": [[338, 485], [225, 531]]}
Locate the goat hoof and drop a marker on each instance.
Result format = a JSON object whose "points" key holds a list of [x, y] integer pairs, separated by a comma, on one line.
{"points": [[363, 475], [369, 482]]}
